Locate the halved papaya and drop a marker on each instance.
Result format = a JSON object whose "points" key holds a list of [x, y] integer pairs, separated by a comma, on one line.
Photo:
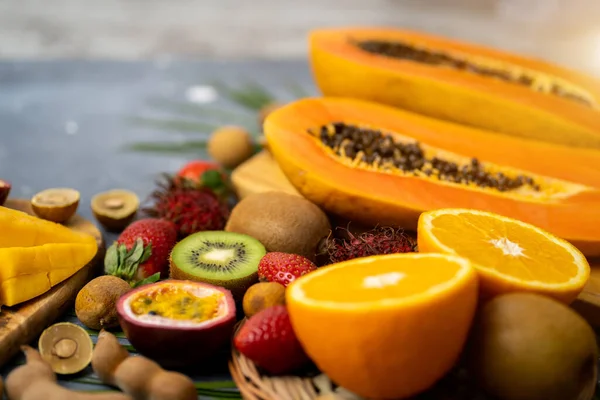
{"points": [[360, 161], [567, 163], [460, 82]]}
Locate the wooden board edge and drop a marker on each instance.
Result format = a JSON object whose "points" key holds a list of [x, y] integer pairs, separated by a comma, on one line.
{"points": [[31, 321], [62, 299], [258, 174]]}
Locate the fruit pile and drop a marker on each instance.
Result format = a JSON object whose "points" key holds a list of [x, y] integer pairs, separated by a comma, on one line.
{"points": [[382, 312], [485, 294], [462, 269]]}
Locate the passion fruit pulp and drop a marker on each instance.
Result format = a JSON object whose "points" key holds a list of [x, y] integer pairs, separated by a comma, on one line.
{"points": [[177, 323]]}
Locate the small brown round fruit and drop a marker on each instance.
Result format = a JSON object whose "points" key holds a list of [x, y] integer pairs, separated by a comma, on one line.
{"points": [[263, 295], [95, 305], [56, 205], [530, 347], [230, 146], [66, 347], [281, 222], [4, 191], [115, 209]]}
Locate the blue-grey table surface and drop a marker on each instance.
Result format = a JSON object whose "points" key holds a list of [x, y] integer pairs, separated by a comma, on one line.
{"points": [[66, 123]]}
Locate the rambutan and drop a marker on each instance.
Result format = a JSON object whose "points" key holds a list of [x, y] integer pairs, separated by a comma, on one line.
{"points": [[380, 240], [191, 208]]}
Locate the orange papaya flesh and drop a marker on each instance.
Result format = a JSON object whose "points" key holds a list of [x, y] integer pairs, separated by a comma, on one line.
{"points": [[338, 172], [459, 82], [567, 163]]}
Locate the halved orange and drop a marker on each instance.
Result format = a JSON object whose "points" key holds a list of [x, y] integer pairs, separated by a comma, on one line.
{"points": [[509, 255], [385, 326]]}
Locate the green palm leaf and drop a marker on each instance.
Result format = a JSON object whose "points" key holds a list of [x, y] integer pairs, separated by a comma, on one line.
{"points": [[167, 147], [173, 125], [297, 90], [204, 112], [250, 97]]}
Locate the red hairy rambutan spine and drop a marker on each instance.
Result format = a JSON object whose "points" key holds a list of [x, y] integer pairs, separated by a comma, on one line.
{"points": [[190, 208], [380, 240]]}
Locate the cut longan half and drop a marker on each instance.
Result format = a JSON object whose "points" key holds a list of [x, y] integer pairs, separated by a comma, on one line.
{"points": [[66, 347]]}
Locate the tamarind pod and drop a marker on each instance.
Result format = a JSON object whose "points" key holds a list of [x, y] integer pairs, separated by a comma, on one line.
{"points": [[108, 354]]}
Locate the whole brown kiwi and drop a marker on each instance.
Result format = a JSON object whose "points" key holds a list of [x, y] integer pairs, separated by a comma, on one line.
{"points": [[281, 222], [95, 304], [527, 346]]}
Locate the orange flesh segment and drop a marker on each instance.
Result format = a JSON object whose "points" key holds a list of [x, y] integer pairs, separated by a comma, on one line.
{"points": [[385, 279], [505, 247]]}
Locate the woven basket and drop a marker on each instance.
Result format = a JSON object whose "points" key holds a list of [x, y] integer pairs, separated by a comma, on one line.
{"points": [[255, 385]]}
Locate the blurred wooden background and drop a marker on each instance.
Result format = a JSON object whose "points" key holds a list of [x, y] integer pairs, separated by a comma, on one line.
{"points": [[564, 31]]}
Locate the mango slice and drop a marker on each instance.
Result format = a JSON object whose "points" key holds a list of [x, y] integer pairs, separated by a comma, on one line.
{"points": [[36, 255]]}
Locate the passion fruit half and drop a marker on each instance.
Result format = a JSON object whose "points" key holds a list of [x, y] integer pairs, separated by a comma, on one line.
{"points": [[115, 209], [177, 323], [4, 191], [56, 205]]}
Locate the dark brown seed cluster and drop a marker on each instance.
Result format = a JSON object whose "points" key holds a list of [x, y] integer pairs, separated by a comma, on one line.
{"points": [[407, 52], [380, 150]]}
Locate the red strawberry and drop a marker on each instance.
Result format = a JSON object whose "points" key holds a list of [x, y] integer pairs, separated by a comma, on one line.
{"points": [[194, 169], [204, 174], [283, 268], [267, 338], [141, 254]]}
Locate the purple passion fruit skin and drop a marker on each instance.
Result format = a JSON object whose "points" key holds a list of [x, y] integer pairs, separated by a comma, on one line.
{"points": [[4, 191], [177, 323]]}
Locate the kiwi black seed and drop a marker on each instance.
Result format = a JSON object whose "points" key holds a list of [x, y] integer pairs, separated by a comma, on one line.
{"points": [[220, 258]]}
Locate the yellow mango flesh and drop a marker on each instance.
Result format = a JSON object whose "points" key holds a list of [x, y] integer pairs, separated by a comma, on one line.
{"points": [[36, 254], [19, 229]]}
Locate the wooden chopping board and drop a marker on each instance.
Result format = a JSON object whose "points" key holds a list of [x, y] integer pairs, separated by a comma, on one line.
{"points": [[22, 323], [261, 173]]}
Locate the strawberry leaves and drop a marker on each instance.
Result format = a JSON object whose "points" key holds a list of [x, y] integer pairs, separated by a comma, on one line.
{"points": [[124, 263], [215, 181], [151, 279]]}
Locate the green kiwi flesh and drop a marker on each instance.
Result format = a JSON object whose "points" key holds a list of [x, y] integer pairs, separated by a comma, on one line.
{"points": [[220, 258]]}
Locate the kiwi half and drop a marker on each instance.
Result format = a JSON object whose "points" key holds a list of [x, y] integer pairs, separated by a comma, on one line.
{"points": [[220, 258]]}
